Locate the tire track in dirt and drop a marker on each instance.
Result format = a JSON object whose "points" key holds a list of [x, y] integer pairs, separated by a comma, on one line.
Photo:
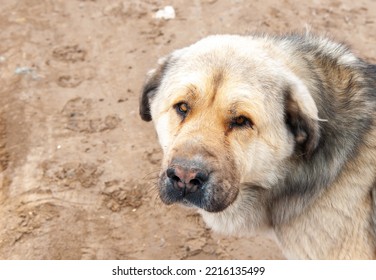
{"points": [[4, 159], [4, 155]]}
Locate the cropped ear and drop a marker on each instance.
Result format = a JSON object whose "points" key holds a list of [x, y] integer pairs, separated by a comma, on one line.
{"points": [[150, 88], [302, 118]]}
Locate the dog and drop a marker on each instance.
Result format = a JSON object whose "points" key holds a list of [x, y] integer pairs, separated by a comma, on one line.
{"points": [[270, 134]]}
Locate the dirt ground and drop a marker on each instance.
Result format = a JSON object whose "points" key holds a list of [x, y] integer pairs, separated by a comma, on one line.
{"points": [[77, 165]]}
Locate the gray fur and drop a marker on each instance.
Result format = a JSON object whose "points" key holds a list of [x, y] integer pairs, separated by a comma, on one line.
{"points": [[350, 114]]}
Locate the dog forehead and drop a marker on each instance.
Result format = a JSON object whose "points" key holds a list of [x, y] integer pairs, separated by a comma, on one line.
{"points": [[241, 45], [226, 51], [230, 58]]}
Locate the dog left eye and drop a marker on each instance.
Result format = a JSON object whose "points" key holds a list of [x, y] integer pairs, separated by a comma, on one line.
{"points": [[241, 121]]}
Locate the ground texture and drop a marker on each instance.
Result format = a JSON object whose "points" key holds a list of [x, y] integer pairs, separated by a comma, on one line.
{"points": [[77, 165]]}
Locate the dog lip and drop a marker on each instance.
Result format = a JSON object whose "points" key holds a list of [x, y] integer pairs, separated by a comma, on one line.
{"points": [[193, 200]]}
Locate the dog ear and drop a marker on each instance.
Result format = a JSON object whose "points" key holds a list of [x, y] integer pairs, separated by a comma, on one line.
{"points": [[302, 118], [150, 88]]}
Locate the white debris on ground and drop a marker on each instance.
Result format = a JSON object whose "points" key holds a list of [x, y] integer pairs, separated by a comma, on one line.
{"points": [[24, 70], [2, 59], [167, 12]]}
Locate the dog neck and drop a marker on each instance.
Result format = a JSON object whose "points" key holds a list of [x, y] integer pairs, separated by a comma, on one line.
{"points": [[336, 224]]}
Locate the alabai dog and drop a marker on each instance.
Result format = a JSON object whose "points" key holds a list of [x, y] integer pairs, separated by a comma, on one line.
{"points": [[271, 134]]}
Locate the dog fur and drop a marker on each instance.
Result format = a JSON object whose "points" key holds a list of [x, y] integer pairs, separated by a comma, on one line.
{"points": [[282, 129]]}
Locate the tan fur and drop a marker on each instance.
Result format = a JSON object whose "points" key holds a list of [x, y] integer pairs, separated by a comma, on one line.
{"points": [[306, 98]]}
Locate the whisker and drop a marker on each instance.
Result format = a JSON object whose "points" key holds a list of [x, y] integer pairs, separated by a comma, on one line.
{"points": [[154, 174]]}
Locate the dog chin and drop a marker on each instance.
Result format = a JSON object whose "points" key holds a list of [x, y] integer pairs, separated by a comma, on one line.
{"points": [[207, 207]]}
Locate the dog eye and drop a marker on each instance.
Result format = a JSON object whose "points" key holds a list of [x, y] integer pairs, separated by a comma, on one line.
{"points": [[241, 121], [182, 109]]}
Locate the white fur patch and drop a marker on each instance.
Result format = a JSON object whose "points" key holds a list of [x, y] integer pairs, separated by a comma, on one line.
{"points": [[163, 128]]}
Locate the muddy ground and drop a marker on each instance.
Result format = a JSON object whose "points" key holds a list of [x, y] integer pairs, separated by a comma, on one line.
{"points": [[77, 165]]}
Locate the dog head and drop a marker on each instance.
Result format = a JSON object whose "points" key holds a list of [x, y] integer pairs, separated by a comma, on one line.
{"points": [[228, 112]]}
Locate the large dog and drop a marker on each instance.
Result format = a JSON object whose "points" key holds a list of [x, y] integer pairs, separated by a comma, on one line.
{"points": [[273, 134]]}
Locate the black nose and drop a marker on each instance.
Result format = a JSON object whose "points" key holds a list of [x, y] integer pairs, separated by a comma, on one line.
{"points": [[187, 179]]}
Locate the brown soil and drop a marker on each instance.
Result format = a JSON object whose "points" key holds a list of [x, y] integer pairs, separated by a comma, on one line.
{"points": [[77, 165]]}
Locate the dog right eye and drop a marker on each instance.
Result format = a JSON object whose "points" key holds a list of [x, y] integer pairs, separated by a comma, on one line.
{"points": [[182, 109]]}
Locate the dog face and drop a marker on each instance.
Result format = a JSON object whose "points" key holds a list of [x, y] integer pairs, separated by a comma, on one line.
{"points": [[228, 113]]}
